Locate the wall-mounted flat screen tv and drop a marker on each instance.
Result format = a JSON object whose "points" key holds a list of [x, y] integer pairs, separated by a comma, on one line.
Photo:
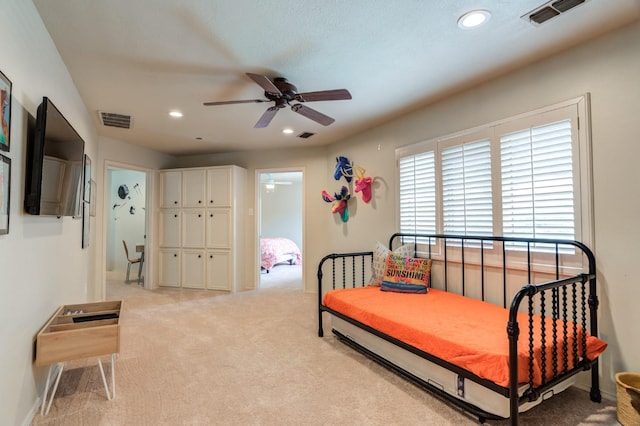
{"points": [[54, 165]]}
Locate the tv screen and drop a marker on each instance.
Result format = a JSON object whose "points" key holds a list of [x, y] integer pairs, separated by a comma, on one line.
{"points": [[54, 165]]}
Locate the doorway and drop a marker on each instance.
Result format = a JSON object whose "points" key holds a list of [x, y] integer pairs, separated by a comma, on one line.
{"points": [[126, 220], [280, 215]]}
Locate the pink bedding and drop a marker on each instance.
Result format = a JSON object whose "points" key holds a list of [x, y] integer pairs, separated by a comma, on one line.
{"points": [[278, 250], [463, 331]]}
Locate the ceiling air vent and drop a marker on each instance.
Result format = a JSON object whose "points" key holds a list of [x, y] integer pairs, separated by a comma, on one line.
{"points": [[305, 135], [551, 10], [115, 120]]}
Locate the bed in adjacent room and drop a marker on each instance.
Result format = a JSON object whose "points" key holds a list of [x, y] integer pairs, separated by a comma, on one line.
{"points": [[275, 251]]}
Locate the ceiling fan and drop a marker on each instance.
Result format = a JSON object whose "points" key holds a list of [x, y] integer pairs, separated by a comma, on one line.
{"points": [[283, 93]]}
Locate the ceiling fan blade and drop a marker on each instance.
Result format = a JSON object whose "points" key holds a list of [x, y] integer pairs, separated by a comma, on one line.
{"points": [[266, 118], [324, 95], [249, 101], [312, 114], [265, 83]]}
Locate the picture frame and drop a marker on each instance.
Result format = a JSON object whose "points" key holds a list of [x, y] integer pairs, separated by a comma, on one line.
{"points": [[5, 193], [5, 112]]}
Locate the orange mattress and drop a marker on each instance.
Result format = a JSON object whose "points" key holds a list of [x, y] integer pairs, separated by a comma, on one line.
{"points": [[466, 332]]}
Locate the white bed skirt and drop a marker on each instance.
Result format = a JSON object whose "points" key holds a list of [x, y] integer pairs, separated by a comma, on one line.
{"points": [[446, 380]]}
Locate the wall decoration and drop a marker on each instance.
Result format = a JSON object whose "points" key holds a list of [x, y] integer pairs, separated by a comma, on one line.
{"points": [[5, 193], [363, 183], [123, 192], [340, 202], [130, 198], [5, 111], [343, 168]]}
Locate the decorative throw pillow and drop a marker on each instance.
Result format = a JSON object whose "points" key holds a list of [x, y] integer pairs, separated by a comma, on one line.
{"points": [[380, 259], [406, 274]]}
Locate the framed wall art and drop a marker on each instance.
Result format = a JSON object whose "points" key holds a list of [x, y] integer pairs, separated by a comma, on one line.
{"points": [[5, 110], [5, 193]]}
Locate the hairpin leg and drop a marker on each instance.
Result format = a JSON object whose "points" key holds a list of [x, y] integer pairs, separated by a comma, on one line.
{"points": [[44, 411]]}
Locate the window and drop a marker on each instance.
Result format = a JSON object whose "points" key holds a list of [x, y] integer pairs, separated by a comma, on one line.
{"points": [[537, 182], [466, 189], [526, 176], [418, 193]]}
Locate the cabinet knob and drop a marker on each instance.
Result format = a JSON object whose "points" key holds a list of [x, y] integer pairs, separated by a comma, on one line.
{"points": [[210, 256], [199, 201], [199, 256], [175, 202], [175, 215], [211, 215], [211, 201], [199, 215], [175, 255]]}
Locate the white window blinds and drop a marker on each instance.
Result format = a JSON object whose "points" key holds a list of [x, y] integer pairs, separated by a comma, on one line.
{"points": [[527, 176], [537, 182], [417, 193], [466, 189]]}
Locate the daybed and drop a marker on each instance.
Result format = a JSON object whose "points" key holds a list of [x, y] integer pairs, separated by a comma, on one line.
{"points": [[505, 323], [278, 250]]}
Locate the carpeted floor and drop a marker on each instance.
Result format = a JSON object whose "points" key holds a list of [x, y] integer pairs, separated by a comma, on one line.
{"points": [[253, 358]]}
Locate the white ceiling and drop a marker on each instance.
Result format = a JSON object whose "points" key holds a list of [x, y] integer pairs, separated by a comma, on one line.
{"points": [[147, 57]]}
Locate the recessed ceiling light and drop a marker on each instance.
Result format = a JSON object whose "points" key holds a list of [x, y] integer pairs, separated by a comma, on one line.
{"points": [[287, 131], [176, 114], [473, 19]]}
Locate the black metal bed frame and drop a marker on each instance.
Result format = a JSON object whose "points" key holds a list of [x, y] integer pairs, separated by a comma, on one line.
{"points": [[573, 299]]}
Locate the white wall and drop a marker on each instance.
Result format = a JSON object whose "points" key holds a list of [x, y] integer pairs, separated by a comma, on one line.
{"points": [[608, 68], [42, 264]]}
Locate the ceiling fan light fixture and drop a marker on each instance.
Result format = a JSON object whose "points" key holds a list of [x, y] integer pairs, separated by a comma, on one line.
{"points": [[287, 130], [175, 114], [473, 19]]}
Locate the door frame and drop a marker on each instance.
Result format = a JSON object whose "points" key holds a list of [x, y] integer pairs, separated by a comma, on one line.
{"points": [[258, 217], [147, 269]]}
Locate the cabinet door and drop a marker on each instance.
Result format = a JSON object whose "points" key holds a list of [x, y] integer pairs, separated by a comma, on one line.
{"points": [[218, 228], [170, 187], [193, 193], [193, 268], [170, 228], [219, 270], [193, 221], [219, 187], [169, 268]]}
